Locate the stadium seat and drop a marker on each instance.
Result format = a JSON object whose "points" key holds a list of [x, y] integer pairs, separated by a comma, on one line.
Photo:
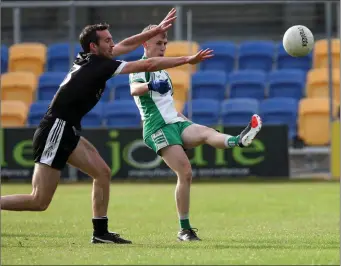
{"points": [[238, 112], [209, 84], [287, 83], [122, 114], [13, 113], [18, 86], [257, 55], [27, 57], [317, 83], [224, 56], [4, 58], [58, 56], [133, 55], [182, 48], [247, 84], [121, 88], [179, 105], [280, 111], [321, 53], [180, 81], [49, 84], [204, 111], [36, 112], [94, 118], [313, 125], [285, 61]]}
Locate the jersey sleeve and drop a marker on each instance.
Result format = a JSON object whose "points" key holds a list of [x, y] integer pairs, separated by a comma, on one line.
{"points": [[111, 67]]}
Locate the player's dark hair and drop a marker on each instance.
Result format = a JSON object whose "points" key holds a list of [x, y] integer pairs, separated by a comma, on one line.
{"points": [[89, 35]]}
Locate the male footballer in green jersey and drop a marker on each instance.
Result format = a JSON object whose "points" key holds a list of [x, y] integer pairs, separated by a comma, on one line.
{"points": [[169, 132]]}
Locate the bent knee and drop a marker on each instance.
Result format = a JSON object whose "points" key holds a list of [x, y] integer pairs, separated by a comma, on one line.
{"points": [[40, 203], [103, 174], [185, 175]]}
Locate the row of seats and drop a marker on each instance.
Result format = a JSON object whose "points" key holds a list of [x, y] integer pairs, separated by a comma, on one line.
{"points": [[207, 84], [307, 118], [229, 56]]}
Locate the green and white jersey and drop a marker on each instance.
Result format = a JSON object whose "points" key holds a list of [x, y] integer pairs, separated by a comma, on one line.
{"points": [[156, 110]]}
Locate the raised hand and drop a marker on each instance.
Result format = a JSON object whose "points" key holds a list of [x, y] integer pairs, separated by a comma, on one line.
{"points": [[161, 86], [200, 56], [166, 23]]}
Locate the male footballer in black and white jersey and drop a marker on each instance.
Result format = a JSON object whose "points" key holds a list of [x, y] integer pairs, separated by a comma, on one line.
{"points": [[57, 140]]}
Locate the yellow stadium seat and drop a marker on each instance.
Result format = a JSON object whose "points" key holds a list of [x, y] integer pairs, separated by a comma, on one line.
{"points": [[13, 113], [313, 120], [27, 57], [320, 57], [19, 86], [182, 48], [179, 105], [180, 82], [317, 83]]}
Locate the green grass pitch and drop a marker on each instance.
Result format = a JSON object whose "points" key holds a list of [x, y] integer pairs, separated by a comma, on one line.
{"points": [[278, 223]]}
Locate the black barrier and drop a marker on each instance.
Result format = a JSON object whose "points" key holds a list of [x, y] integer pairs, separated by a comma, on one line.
{"points": [[128, 156]]}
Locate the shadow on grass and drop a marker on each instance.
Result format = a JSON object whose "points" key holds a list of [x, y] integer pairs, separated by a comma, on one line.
{"points": [[291, 244]]}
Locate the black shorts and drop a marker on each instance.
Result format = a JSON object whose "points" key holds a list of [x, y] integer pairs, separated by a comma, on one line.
{"points": [[53, 142]]}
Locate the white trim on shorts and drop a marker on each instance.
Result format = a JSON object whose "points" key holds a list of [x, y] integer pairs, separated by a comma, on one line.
{"points": [[52, 142]]}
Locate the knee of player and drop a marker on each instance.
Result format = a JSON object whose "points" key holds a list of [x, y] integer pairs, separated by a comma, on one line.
{"points": [[41, 205], [105, 173], [186, 173]]}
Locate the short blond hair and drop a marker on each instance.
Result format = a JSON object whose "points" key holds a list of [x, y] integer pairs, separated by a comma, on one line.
{"points": [[152, 26]]}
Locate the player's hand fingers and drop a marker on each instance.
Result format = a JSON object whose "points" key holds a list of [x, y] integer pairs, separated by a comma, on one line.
{"points": [[208, 56], [171, 13], [165, 28], [170, 20], [208, 52]]}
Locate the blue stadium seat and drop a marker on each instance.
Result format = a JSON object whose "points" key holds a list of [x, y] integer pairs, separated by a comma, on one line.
{"points": [[256, 55], [133, 55], [121, 90], [224, 56], [36, 112], [94, 118], [280, 111], [122, 114], [58, 56], [238, 111], [287, 83], [48, 84], [285, 61], [4, 58], [247, 84], [209, 84], [204, 111]]}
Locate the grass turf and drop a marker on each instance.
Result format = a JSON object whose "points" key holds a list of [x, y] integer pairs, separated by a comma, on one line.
{"points": [[239, 223]]}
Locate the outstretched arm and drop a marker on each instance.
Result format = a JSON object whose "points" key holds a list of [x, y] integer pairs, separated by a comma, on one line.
{"points": [[160, 63], [131, 43]]}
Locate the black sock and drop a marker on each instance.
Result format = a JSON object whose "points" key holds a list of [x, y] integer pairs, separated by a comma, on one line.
{"points": [[100, 226]]}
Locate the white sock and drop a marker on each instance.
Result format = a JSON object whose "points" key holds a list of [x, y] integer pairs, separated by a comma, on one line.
{"points": [[101, 217], [183, 216]]}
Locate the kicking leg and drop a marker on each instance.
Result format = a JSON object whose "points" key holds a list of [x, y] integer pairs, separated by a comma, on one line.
{"points": [[196, 135], [44, 183], [175, 157], [86, 158]]}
